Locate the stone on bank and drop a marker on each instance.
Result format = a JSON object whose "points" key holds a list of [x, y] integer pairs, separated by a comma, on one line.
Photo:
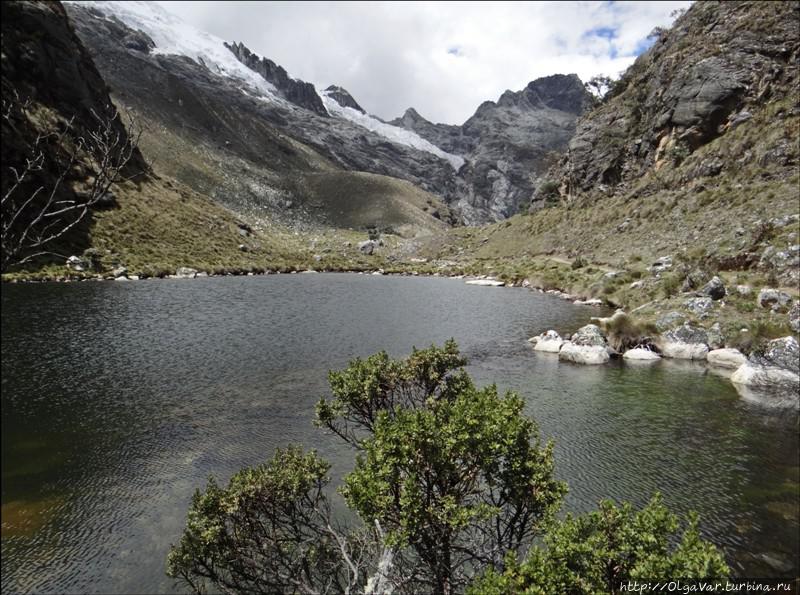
{"points": [[586, 346]]}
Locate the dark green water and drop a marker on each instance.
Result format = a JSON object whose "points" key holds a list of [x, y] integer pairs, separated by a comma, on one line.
{"points": [[119, 399]]}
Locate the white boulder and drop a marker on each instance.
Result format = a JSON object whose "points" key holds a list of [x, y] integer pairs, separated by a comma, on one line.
{"points": [[681, 350], [752, 374], [583, 354], [726, 358], [549, 342], [486, 282], [641, 354]]}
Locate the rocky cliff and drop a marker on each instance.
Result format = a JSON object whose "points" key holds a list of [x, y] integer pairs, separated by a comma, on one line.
{"points": [[713, 71]]}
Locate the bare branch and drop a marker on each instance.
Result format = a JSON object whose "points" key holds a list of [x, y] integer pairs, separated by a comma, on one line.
{"points": [[35, 211]]}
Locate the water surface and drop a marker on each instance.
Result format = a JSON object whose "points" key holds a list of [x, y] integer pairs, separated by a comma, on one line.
{"points": [[119, 399]]}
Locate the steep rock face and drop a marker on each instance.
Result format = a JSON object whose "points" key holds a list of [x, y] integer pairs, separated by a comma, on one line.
{"points": [[296, 91], [705, 76], [512, 142], [52, 91], [507, 144], [343, 98]]}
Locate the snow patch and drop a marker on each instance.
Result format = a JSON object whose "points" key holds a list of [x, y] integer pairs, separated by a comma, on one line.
{"points": [[395, 134], [173, 36]]}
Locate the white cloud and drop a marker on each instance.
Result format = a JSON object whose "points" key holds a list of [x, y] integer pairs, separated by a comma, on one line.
{"points": [[395, 55]]}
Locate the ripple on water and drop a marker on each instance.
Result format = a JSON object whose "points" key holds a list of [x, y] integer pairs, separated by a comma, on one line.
{"points": [[119, 400]]}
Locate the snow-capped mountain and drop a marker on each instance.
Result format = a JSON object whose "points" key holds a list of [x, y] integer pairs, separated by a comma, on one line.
{"points": [[220, 103]]}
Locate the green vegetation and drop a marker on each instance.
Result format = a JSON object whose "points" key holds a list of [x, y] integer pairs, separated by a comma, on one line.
{"points": [[457, 485], [600, 551]]}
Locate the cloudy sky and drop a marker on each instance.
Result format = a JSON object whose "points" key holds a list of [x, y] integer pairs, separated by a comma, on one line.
{"points": [[444, 58]]}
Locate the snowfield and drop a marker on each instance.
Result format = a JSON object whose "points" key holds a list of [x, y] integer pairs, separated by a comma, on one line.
{"points": [[173, 36], [395, 134]]}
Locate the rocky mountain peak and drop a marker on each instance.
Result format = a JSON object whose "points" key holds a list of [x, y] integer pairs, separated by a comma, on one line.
{"points": [[341, 96], [293, 90], [563, 92]]}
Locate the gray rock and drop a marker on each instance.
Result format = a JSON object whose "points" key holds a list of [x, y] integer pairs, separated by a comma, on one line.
{"points": [[660, 265], [670, 320], [185, 273], [589, 336], [776, 300], [687, 333], [78, 264], [367, 247], [699, 306], [740, 118], [714, 289], [716, 340], [794, 317], [744, 290], [120, 272], [781, 353]]}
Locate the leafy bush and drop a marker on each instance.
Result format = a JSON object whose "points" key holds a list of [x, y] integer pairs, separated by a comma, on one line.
{"points": [[548, 191], [600, 551]]}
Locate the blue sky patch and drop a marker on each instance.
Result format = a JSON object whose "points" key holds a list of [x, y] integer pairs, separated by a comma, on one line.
{"points": [[455, 51], [643, 45], [602, 32]]}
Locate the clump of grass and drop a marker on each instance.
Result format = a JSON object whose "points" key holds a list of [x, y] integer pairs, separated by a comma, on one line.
{"points": [[623, 332], [670, 284]]}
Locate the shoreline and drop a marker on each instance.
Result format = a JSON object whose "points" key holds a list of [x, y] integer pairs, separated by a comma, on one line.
{"points": [[758, 385]]}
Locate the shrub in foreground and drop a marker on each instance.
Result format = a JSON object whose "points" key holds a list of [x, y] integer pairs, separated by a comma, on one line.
{"points": [[451, 483]]}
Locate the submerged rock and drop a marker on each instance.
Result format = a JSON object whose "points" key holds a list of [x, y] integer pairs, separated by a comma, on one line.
{"points": [[752, 374]]}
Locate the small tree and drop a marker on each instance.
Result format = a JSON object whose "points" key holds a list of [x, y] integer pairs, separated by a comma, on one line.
{"points": [[456, 474]]}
